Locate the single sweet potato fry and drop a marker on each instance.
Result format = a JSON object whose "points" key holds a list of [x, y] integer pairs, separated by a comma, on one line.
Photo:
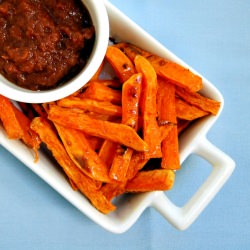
{"points": [[166, 102], [122, 65], [85, 184], [199, 101], [29, 137], [100, 92], [150, 128], [17, 125], [146, 181], [119, 133], [98, 116], [82, 154], [131, 91], [107, 152], [9, 119], [105, 108], [120, 163], [170, 150], [176, 73], [187, 111], [111, 83]]}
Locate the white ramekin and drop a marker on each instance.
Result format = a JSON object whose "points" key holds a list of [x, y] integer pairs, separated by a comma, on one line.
{"points": [[100, 21]]}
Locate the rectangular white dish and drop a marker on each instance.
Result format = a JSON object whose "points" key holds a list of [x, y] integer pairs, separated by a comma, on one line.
{"points": [[193, 141]]}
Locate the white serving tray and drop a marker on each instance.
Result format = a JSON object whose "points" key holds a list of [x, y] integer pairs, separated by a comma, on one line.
{"points": [[193, 141]]}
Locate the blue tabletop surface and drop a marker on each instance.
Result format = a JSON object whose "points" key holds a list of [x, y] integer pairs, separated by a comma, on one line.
{"points": [[213, 37]]}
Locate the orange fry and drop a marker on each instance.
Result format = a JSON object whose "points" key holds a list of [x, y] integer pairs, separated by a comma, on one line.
{"points": [[105, 108], [199, 101], [170, 150], [119, 133], [85, 184], [145, 181], [137, 162], [98, 116], [17, 125], [107, 152], [73, 185], [120, 163], [112, 190], [165, 130], [187, 111], [9, 120], [122, 65], [81, 153], [151, 132], [111, 83], [132, 51], [29, 137], [131, 92], [94, 142], [100, 92], [166, 102], [176, 73]]}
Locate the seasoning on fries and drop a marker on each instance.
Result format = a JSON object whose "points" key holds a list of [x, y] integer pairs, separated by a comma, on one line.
{"points": [[116, 136]]}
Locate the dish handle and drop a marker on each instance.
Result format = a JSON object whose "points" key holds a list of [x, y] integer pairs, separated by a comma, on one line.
{"points": [[222, 168]]}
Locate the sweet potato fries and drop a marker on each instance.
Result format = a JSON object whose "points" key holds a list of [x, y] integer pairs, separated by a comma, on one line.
{"points": [[116, 136]]}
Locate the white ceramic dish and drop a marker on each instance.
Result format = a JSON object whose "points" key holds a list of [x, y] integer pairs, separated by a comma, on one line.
{"points": [[99, 18], [193, 141]]}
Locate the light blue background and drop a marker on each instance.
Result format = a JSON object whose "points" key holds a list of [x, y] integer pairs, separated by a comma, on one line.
{"points": [[214, 38]]}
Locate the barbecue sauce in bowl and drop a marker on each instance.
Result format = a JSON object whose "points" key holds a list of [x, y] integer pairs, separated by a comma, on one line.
{"points": [[44, 43]]}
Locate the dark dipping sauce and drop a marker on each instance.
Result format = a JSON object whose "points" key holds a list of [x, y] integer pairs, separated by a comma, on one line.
{"points": [[44, 43]]}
